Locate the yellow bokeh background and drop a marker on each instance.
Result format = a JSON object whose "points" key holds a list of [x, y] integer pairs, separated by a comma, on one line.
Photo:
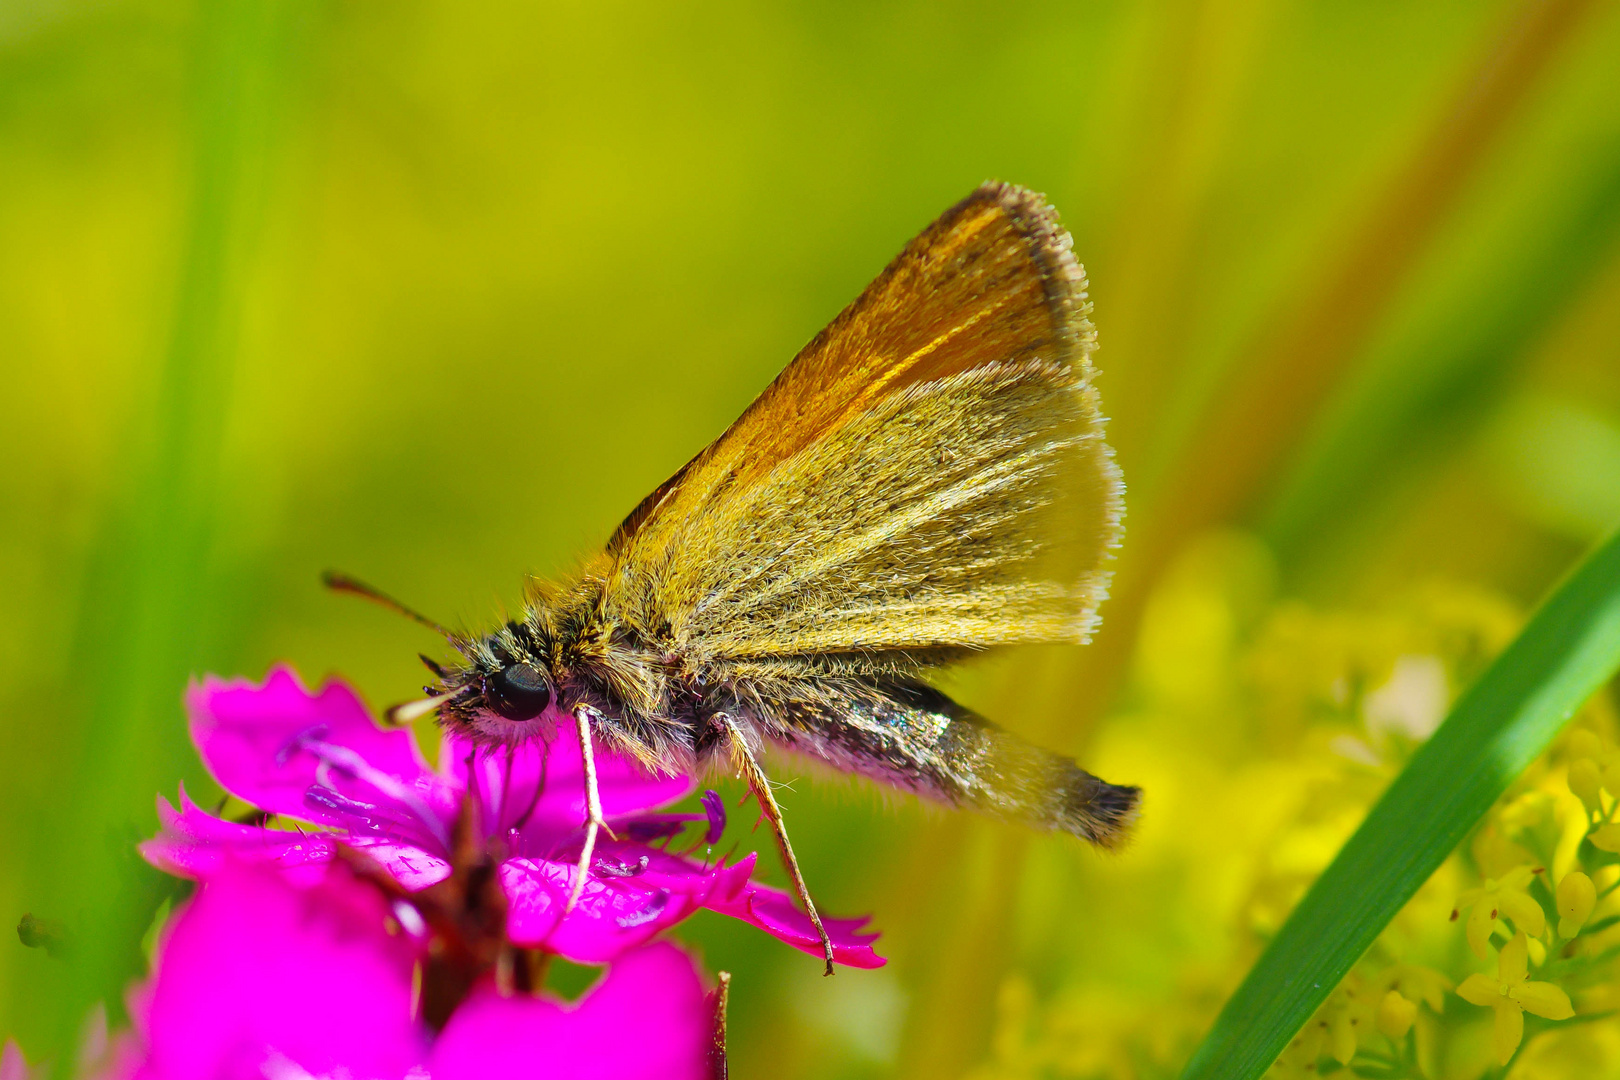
{"points": [[434, 293]]}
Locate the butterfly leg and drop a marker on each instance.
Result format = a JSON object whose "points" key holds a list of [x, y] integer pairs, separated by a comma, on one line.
{"points": [[594, 820], [760, 784]]}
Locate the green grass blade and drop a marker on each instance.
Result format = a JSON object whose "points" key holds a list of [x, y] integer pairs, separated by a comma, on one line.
{"points": [[151, 585], [1570, 647]]}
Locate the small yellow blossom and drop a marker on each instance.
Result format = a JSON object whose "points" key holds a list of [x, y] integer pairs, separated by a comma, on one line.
{"points": [[1298, 1061], [1346, 1016], [1334, 1030], [1494, 852], [1395, 1014], [1531, 820], [1500, 896], [1576, 898], [1300, 1058], [1510, 994], [1418, 983]]}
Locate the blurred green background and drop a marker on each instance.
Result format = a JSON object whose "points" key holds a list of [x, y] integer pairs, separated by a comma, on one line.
{"points": [[434, 293]]}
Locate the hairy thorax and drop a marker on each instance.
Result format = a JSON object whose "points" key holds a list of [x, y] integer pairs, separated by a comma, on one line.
{"points": [[566, 653]]}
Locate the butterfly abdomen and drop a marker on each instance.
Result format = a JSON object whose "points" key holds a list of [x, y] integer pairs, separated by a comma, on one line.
{"points": [[1000, 773], [1093, 809], [909, 735]]}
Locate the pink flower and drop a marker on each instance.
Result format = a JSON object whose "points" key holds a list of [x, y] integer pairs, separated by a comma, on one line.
{"points": [[320, 758], [259, 976], [13, 1066]]}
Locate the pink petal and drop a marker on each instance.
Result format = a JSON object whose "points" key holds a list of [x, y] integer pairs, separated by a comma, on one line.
{"points": [[118, 1057], [13, 1066], [646, 1020], [258, 977], [123, 1060], [195, 844], [507, 781], [651, 891], [776, 913], [318, 757], [633, 893]]}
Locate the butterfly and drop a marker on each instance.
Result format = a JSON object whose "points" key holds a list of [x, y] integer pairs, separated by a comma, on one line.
{"points": [[928, 479]]}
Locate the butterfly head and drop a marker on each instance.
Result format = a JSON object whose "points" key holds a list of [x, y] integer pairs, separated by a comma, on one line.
{"points": [[504, 693]]}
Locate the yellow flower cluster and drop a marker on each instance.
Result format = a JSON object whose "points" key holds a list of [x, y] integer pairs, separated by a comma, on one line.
{"points": [[1548, 845], [1386, 1005], [1290, 720]]}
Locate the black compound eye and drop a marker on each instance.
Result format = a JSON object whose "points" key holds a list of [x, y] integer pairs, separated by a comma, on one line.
{"points": [[517, 692]]}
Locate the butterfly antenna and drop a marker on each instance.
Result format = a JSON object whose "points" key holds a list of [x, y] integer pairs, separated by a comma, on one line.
{"points": [[344, 583]]}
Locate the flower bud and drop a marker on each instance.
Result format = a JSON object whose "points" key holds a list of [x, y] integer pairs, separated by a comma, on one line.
{"points": [[1584, 781], [1606, 838], [1576, 898], [1395, 1014]]}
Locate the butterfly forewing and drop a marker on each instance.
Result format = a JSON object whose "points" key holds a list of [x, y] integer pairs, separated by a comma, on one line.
{"points": [[927, 476]]}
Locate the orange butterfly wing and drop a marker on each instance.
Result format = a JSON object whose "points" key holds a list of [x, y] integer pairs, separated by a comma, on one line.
{"points": [[928, 473]]}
